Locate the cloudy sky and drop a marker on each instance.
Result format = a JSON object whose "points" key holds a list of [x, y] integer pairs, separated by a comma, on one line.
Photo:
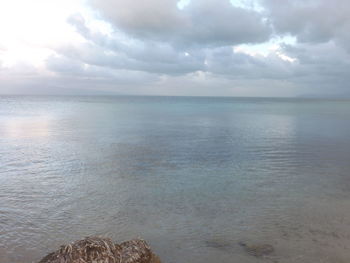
{"points": [[175, 47]]}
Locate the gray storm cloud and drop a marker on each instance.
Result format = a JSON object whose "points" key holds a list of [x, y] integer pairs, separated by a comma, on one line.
{"points": [[204, 23], [311, 21]]}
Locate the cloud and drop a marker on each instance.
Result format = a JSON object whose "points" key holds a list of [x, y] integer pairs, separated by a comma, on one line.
{"points": [[203, 23], [246, 47], [296, 65], [322, 68], [117, 51], [66, 76], [311, 21], [157, 57]]}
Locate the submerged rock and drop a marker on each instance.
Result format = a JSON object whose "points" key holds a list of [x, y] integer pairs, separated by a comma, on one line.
{"points": [[103, 250], [258, 250], [218, 243]]}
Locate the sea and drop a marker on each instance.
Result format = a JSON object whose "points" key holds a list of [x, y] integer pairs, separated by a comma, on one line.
{"points": [[194, 176]]}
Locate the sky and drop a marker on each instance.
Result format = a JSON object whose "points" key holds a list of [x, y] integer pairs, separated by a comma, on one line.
{"points": [[267, 48]]}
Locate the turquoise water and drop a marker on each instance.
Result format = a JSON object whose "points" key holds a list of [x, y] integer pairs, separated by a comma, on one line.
{"points": [[193, 176]]}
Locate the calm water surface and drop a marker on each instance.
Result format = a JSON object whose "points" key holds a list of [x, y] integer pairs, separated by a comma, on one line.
{"points": [[193, 176]]}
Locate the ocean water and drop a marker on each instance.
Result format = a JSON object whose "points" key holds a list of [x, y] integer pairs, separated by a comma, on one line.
{"points": [[193, 176]]}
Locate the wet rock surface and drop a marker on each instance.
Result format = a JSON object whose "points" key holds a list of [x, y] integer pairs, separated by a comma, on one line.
{"points": [[103, 250]]}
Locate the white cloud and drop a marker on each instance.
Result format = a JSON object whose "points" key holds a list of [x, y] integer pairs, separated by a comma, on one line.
{"points": [[272, 47], [29, 29]]}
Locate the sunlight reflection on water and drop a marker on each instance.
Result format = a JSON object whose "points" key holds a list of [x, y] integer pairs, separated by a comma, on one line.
{"points": [[26, 127]]}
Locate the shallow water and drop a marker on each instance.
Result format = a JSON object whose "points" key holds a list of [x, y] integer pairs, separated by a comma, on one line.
{"points": [[193, 176]]}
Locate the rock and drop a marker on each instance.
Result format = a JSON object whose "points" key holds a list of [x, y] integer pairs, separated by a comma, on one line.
{"points": [[258, 250], [103, 250]]}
